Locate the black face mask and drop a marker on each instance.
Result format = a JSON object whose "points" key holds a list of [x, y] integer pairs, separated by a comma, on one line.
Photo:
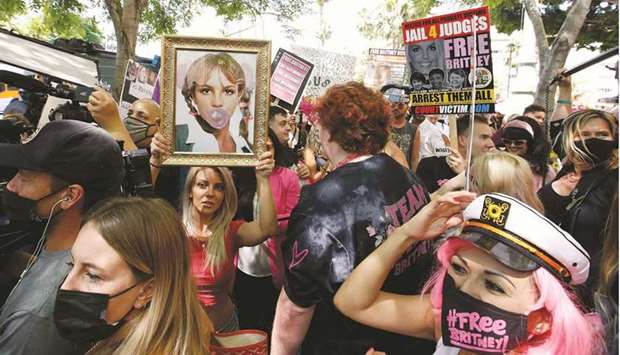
{"points": [[138, 129], [471, 324], [597, 150], [80, 316], [22, 209]]}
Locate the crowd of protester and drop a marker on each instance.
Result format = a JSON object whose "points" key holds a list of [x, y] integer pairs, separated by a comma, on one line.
{"points": [[353, 234]]}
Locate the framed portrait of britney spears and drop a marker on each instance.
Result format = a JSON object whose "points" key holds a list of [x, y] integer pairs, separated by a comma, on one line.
{"points": [[215, 99]]}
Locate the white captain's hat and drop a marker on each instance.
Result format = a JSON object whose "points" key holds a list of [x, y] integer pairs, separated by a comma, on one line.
{"points": [[523, 239]]}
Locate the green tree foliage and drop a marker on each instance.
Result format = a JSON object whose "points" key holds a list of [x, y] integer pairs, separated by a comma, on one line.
{"points": [[10, 8], [599, 31], [53, 19], [384, 21], [559, 25], [50, 25], [165, 17], [133, 19]]}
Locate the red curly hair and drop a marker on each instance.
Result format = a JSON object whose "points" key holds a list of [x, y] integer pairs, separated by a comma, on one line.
{"points": [[356, 117]]}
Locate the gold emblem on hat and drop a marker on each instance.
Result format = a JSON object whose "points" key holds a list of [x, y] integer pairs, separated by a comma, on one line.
{"points": [[495, 211]]}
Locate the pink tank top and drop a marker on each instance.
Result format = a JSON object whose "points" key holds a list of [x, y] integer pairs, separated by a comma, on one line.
{"points": [[213, 289]]}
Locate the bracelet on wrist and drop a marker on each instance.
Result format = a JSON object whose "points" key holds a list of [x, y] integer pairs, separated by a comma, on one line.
{"points": [[154, 165], [564, 102]]}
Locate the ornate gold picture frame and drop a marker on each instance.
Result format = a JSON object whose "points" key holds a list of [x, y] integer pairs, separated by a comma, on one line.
{"points": [[215, 99]]}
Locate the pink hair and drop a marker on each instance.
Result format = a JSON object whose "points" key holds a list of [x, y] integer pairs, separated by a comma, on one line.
{"points": [[572, 332]]}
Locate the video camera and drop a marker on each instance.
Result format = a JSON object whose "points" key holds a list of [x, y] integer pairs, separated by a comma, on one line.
{"points": [[137, 180], [67, 76], [11, 129], [77, 94]]}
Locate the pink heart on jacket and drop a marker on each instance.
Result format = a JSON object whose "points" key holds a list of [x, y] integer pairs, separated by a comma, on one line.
{"points": [[298, 256]]}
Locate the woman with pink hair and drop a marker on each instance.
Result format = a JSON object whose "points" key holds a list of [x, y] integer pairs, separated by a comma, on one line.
{"points": [[500, 288]]}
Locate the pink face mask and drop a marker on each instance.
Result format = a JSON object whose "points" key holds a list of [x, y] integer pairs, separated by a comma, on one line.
{"points": [[471, 324]]}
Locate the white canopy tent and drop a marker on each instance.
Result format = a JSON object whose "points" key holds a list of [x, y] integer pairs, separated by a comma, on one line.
{"points": [[40, 57]]}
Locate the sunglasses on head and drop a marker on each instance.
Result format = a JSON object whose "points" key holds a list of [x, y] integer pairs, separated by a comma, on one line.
{"points": [[514, 142]]}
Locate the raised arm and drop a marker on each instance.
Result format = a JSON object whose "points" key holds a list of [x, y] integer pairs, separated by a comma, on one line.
{"points": [[310, 162], [161, 146], [104, 110], [454, 184], [415, 151], [564, 104], [361, 298], [266, 225]]}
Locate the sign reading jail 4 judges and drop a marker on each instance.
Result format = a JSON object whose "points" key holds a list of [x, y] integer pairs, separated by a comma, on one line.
{"points": [[439, 54]]}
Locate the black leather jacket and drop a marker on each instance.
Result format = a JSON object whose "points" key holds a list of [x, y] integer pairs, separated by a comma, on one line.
{"points": [[583, 214]]}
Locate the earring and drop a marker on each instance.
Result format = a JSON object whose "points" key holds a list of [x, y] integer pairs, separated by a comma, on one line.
{"points": [[539, 322], [539, 329]]}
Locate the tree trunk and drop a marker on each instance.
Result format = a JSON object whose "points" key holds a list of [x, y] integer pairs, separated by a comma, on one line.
{"points": [[126, 38], [126, 21], [551, 59]]}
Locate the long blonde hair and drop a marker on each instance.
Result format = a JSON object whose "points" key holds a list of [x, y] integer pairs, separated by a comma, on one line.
{"points": [[572, 131], [216, 248], [149, 236], [609, 260], [508, 174]]}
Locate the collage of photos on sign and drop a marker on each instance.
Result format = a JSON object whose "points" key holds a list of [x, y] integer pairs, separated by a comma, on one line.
{"points": [[428, 70]]}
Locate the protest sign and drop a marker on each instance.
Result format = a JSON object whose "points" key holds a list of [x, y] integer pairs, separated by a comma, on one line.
{"points": [[439, 53], [289, 76], [329, 68], [139, 84], [385, 66]]}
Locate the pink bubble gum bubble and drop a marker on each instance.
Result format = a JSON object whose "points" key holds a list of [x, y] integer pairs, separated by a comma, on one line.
{"points": [[217, 118]]}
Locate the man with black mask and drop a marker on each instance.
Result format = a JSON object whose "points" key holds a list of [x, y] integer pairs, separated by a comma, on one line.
{"points": [[62, 170]]}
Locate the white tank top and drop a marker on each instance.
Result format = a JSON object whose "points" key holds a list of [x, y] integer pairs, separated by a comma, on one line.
{"points": [[431, 141], [254, 261]]}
